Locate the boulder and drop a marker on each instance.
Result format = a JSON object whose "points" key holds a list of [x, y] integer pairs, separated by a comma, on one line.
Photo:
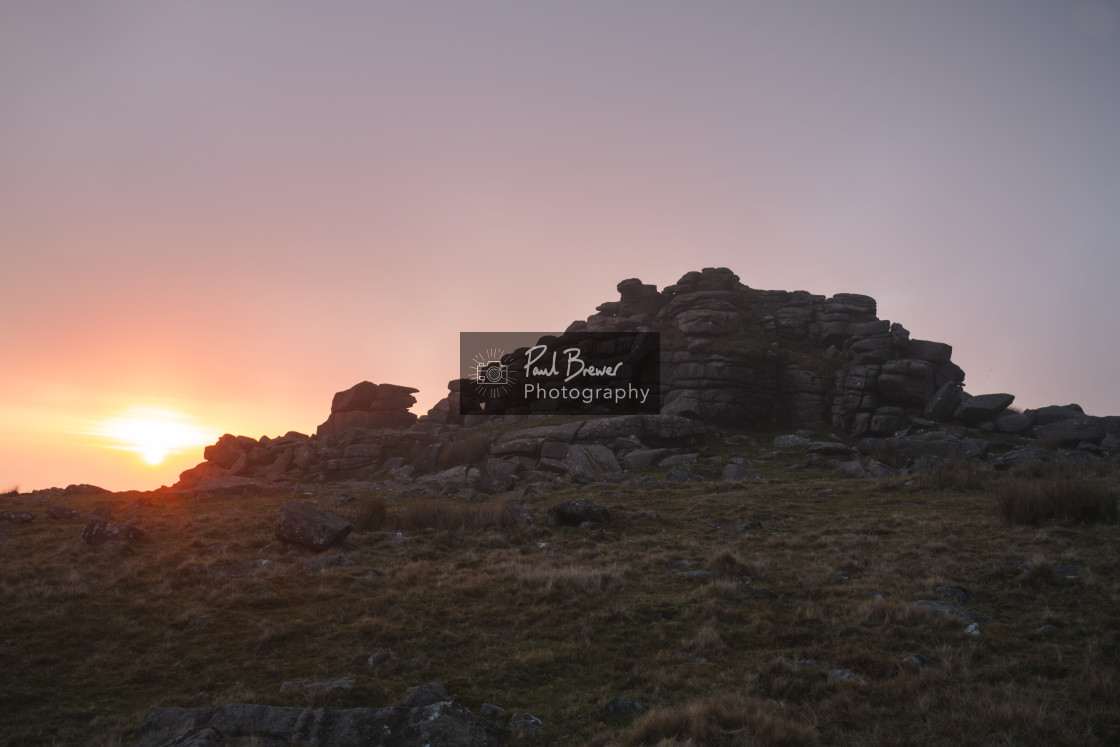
{"points": [[945, 402], [590, 462], [300, 523], [17, 517], [101, 531], [983, 407], [1072, 431], [576, 513], [1054, 413], [1013, 422]]}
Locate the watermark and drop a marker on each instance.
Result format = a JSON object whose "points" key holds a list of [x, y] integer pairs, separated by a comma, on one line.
{"points": [[610, 373]]}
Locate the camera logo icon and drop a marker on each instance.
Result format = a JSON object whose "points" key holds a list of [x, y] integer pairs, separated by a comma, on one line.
{"points": [[492, 378], [492, 373]]}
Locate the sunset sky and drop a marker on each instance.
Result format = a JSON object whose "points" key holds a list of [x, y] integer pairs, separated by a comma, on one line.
{"points": [[214, 215]]}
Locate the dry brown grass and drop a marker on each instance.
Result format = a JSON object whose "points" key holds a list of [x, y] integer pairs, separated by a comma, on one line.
{"points": [[444, 515], [724, 720], [556, 622], [956, 473], [1021, 501]]}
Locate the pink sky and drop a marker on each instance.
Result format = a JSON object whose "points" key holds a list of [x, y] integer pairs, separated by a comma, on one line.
{"points": [[230, 211]]}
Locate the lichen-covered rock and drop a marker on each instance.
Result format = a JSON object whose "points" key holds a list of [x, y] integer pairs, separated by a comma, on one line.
{"points": [[300, 523], [100, 531]]}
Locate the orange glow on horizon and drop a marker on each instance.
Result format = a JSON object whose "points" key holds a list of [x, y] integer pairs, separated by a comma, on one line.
{"points": [[153, 433]]}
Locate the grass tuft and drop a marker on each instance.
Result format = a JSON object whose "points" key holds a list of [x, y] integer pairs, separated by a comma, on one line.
{"points": [[718, 721], [1032, 502]]}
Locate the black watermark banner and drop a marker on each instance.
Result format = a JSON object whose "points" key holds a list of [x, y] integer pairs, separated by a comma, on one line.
{"points": [[609, 373]]}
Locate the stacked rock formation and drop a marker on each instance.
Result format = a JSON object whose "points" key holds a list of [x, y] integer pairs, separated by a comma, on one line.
{"points": [[730, 355], [736, 356], [368, 405], [366, 426]]}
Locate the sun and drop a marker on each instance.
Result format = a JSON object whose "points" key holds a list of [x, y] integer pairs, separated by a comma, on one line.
{"points": [[153, 434]]}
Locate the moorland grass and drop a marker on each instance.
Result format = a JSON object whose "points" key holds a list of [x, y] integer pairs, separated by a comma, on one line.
{"points": [[557, 622]]}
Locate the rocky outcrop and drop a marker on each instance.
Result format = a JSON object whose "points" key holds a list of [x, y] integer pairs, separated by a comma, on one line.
{"points": [[730, 355], [368, 405]]}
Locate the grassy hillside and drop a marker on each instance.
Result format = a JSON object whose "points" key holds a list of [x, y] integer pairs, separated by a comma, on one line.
{"points": [[557, 622]]}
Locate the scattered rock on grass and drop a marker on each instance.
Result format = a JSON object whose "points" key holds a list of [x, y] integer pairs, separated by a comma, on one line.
{"points": [[100, 532], [344, 683], [300, 523], [379, 658], [526, 723], [424, 695], [963, 614], [846, 675], [623, 707], [17, 517], [328, 561], [576, 513]]}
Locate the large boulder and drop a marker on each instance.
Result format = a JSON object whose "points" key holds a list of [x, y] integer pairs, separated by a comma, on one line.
{"points": [[590, 462], [299, 523], [945, 402], [983, 407], [368, 405]]}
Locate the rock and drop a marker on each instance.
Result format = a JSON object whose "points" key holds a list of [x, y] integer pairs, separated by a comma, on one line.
{"points": [[934, 352], [426, 694], [679, 474], [1072, 431], [328, 561], [678, 460], [878, 469], [84, 489], [576, 513], [940, 609], [846, 675], [643, 459], [379, 658], [100, 531], [1054, 414], [17, 517], [520, 514], [829, 447], [623, 707], [590, 462], [983, 407], [973, 629], [790, 442], [526, 723], [344, 683], [55, 511], [299, 523], [700, 576], [737, 472], [489, 710], [444, 723], [945, 402], [854, 468], [1013, 422], [920, 661]]}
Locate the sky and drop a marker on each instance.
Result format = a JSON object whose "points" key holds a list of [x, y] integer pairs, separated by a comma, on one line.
{"points": [[214, 215]]}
